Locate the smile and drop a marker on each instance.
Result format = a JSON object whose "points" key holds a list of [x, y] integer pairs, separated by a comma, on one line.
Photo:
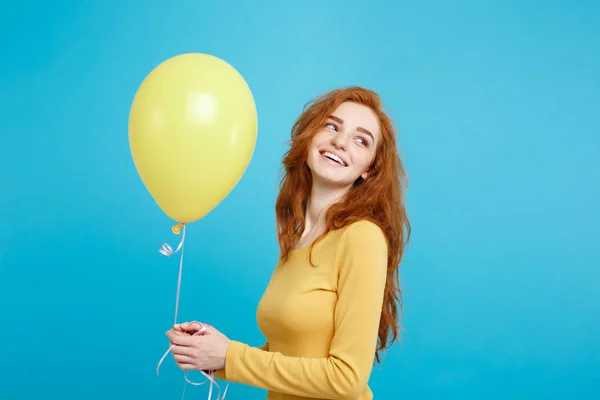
{"points": [[334, 157]]}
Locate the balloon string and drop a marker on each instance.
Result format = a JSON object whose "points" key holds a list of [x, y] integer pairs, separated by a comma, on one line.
{"points": [[168, 251]]}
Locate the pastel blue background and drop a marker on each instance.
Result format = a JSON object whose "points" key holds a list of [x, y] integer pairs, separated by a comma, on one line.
{"points": [[498, 106]]}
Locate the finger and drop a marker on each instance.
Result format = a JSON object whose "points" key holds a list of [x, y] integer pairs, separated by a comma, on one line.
{"points": [[180, 338], [191, 326], [184, 326], [183, 333], [186, 366], [179, 358], [210, 330], [180, 333], [183, 350]]}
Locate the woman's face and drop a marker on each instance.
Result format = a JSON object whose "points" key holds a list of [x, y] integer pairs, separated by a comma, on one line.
{"points": [[344, 148]]}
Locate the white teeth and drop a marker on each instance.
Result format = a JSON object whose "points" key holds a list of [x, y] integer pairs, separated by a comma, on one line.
{"points": [[334, 157]]}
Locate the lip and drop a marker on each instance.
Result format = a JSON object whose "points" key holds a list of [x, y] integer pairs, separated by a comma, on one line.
{"points": [[337, 154]]}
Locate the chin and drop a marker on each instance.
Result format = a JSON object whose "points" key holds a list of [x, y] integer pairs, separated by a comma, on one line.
{"points": [[329, 174], [329, 179]]}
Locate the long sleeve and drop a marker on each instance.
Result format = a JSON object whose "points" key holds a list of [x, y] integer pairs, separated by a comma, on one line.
{"points": [[220, 373], [360, 274]]}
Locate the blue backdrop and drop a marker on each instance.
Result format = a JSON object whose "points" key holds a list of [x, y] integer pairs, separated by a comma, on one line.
{"points": [[497, 106]]}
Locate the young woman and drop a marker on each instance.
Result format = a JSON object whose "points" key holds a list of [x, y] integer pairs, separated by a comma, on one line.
{"points": [[332, 302]]}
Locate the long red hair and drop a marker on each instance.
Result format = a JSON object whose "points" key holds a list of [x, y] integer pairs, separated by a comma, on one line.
{"points": [[379, 198]]}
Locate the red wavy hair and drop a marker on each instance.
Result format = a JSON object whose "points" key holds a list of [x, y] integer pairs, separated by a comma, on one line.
{"points": [[379, 198]]}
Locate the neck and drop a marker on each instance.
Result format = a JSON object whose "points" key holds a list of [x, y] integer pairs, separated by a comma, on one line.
{"points": [[321, 197]]}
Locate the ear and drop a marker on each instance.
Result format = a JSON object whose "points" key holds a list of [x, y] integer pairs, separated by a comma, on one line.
{"points": [[366, 174]]}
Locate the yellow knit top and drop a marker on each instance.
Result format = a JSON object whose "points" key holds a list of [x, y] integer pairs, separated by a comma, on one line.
{"points": [[320, 322]]}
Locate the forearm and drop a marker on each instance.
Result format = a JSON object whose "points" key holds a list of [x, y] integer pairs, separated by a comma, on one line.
{"points": [[329, 377]]}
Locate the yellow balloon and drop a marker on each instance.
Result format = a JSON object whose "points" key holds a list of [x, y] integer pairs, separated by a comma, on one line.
{"points": [[192, 132]]}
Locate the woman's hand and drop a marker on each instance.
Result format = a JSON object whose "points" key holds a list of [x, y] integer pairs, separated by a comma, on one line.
{"points": [[205, 352]]}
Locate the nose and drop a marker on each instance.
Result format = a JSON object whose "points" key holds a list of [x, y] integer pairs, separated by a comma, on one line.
{"points": [[340, 141]]}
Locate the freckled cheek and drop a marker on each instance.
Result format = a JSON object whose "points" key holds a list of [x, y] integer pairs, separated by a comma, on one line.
{"points": [[360, 162], [311, 160]]}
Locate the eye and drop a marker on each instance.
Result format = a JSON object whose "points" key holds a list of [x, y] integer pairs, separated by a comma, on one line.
{"points": [[362, 141], [331, 125]]}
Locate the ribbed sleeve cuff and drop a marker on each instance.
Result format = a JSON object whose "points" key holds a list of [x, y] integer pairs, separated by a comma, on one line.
{"points": [[233, 351]]}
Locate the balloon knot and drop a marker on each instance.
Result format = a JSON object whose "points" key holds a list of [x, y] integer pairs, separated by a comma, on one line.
{"points": [[177, 228]]}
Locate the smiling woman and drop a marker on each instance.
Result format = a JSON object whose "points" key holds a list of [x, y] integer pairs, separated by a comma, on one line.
{"points": [[332, 301], [343, 150]]}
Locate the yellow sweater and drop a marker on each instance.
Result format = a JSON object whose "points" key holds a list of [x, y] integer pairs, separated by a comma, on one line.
{"points": [[321, 323]]}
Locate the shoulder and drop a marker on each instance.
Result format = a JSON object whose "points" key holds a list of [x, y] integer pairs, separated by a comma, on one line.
{"points": [[362, 251], [363, 232], [364, 239]]}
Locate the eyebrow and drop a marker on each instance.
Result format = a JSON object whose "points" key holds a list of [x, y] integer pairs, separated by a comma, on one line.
{"points": [[360, 128]]}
